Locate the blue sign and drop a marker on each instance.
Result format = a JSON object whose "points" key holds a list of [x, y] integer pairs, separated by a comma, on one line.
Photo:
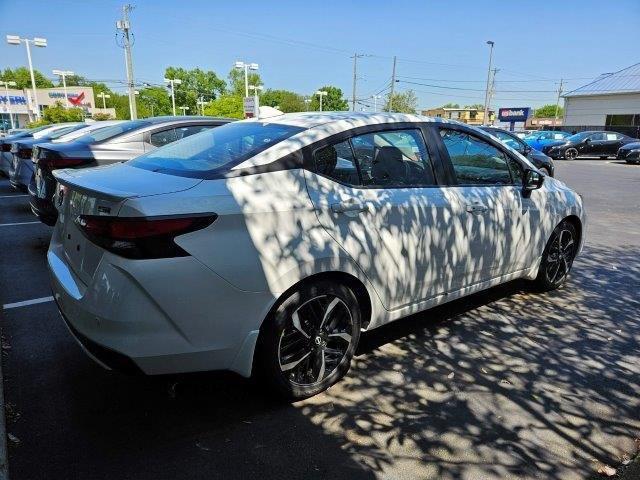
{"points": [[519, 114], [14, 99]]}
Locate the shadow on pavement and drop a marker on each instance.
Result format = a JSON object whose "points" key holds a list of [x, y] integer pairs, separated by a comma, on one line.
{"points": [[504, 383]]}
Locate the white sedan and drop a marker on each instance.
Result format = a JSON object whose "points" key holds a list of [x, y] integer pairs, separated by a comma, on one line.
{"points": [[266, 246]]}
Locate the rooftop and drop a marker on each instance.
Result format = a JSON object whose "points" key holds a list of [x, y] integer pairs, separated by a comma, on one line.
{"points": [[626, 80]]}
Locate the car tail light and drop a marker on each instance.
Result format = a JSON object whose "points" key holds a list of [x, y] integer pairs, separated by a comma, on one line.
{"points": [[141, 238], [52, 160]]}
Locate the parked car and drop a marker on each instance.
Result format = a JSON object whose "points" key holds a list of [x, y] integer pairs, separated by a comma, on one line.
{"points": [[595, 144], [6, 158], [630, 152], [266, 246], [116, 143], [21, 169], [539, 159], [540, 139]]}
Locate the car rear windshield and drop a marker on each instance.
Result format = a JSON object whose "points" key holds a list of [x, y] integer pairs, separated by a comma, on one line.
{"points": [[64, 131], [106, 133], [212, 153]]}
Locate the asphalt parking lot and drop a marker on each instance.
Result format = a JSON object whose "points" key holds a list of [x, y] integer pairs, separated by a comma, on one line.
{"points": [[508, 383]]}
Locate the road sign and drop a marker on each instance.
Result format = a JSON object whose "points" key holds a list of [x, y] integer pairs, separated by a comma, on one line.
{"points": [[250, 105]]}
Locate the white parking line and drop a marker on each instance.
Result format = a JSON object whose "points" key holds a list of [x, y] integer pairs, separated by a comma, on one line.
{"points": [[13, 196], [18, 223], [26, 303]]}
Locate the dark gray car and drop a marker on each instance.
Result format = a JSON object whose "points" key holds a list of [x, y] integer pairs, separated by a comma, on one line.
{"points": [[539, 159], [118, 143]]}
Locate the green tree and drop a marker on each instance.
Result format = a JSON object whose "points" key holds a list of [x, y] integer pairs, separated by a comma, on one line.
{"points": [[403, 102], [285, 100], [548, 111], [153, 102], [225, 106], [331, 102], [196, 83], [58, 114], [451, 105], [477, 106], [236, 81], [22, 77]]}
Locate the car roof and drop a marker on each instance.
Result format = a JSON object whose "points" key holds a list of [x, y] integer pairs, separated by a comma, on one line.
{"points": [[184, 118], [316, 119]]}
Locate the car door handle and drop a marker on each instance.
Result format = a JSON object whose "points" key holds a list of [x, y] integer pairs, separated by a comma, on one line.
{"points": [[344, 207], [476, 208]]}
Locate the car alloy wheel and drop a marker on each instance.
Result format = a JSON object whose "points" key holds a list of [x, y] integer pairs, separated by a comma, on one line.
{"points": [[308, 342], [558, 256], [316, 340], [571, 154]]}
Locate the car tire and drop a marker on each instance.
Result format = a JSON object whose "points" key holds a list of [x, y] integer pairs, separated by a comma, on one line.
{"points": [[558, 256], [308, 342], [570, 154]]}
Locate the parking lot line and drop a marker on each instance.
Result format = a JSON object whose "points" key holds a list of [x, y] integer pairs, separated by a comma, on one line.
{"points": [[17, 223], [13, 196], [26, 303]]}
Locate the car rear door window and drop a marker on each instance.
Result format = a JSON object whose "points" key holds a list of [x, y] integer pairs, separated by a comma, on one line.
{"points": [[188, 130], [163, 137], [394, 158], [475, 161]]}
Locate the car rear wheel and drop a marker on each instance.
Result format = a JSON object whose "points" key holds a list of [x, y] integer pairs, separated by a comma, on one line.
{"points": [[558, 256], [308, 343], [571, 154]]}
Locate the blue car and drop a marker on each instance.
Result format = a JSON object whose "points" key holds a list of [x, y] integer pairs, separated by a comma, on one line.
{"points": [[538, 140]]}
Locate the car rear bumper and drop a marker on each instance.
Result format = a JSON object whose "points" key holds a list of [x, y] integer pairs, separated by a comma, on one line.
{"points": [[42, 208], [159, 316]]}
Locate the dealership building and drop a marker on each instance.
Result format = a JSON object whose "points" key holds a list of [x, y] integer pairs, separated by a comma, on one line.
{"points": [[610, 102], [21, 106]]}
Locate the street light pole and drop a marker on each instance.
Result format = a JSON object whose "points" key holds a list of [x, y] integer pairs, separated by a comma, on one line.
{"points": [[375, 102], [246, 67], [184, 110], [103, 96], [125, 26], [63, 74], [486, 93], [201, 103], [38, 42], [321, 93], [9, 109], [173, 82]]}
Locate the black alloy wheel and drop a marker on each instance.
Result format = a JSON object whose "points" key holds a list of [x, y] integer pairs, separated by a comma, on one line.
{"points": [[309, 342], [558, 257], [571, 153]]}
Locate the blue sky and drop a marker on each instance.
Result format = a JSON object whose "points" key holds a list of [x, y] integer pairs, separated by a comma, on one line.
{"points": [[303, 45]]}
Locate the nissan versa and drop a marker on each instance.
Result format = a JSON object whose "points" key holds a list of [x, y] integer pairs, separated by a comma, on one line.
{"points": [[266, 246]]}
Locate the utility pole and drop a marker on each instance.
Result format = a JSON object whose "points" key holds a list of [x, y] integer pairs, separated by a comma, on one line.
{"points": [[393, 85], [375, 103], [486, 93], [353, 89], [492, 91], [125, 26], [558, 102]]}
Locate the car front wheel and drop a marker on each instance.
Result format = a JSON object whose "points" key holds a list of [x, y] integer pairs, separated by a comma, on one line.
{"points": [[571, 154], [558, 256], [308, 343]]}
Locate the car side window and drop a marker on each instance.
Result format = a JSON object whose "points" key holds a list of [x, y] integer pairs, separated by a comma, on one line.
{"points": [[187, 131], [163, 137], [613, 136], [510, 141], [397, 158], [475, 162], [597, 137]]}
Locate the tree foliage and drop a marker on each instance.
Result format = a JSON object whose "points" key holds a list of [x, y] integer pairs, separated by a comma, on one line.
{"points": [[196, 83], [477, 106], [451, 105], [154, 101], [58, 114], [225, 106], [548, 111], [236, 81], [332, 102], [284, 100], [402, 102], [22, 77]]}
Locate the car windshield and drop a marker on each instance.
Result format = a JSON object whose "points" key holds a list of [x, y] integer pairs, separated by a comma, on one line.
{"points": [[213, 152], [109, 132], [578, 136]]}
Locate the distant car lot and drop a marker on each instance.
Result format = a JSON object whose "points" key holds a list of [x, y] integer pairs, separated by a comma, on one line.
{"points": [[505, 383]]}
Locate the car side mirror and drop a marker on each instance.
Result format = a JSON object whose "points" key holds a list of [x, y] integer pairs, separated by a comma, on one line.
{"points": [[533, 180], [586, 140]]}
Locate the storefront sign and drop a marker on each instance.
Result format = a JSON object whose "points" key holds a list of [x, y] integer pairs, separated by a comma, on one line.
{"points": [[518, 114]]}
